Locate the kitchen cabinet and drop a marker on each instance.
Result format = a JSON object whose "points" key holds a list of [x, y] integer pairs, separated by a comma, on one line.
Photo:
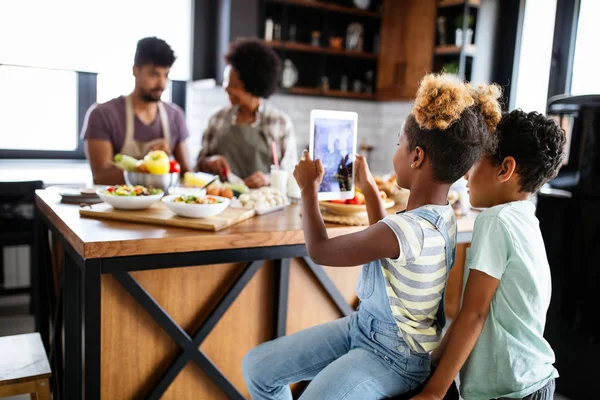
{"points": [[407, 39]]}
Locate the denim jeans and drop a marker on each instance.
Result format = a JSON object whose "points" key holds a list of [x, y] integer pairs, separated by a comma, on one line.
{"points": [[362, 356], [545, 393], [350, 358]]}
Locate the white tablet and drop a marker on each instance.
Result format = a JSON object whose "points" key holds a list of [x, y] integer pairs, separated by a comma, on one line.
{"points": [[333, 141]]}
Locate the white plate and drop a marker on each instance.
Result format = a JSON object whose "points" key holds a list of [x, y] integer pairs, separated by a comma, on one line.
{"points": [[129, 202], [196, 210]]}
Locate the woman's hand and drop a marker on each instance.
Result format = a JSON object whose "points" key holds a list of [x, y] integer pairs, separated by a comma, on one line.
{"points": [[309, 173], [363, 179], [257, 180], [217, 165]]}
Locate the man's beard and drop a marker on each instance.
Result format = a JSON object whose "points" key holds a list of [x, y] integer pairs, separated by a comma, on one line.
{"points": [[150, 97]]}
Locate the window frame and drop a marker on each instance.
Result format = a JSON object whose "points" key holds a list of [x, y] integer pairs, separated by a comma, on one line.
{"points": [[563, 47], [87, 84]]}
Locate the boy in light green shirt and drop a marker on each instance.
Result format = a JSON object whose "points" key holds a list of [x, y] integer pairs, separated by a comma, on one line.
{"points": [[497, 340]]}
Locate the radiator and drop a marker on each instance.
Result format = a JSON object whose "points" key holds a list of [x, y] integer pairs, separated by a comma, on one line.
{"points": [[16, 267]]}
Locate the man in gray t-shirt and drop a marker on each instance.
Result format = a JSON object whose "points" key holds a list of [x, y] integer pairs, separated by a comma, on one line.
{"points": [[140, 122]]}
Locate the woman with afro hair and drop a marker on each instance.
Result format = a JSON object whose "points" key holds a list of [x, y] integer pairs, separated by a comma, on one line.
{"points": [[239, 137]]}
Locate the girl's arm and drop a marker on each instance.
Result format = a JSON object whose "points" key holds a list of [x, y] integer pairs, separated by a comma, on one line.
{"points": [[365, 182], [376, 242], [464, 334]]}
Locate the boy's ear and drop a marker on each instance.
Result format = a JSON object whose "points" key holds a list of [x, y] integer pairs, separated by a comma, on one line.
{"points": [[507, 169]]}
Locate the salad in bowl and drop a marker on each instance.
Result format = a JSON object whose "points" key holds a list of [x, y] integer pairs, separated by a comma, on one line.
{"points": [[126, 197], [195, 206]]}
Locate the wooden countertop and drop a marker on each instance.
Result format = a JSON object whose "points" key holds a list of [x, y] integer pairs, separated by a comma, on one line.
{"points": [[93, 238]]}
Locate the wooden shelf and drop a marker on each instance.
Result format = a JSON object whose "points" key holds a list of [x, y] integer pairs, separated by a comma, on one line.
{"points": [[328, 7], [454, 50], [330, 93], [452, 3], [307, 48]]}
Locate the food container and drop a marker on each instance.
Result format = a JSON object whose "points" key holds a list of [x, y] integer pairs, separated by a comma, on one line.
{"points": [[152, 181]]}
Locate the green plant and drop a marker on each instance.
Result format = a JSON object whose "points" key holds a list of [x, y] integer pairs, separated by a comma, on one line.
{"points": [[450, 67], [459, 21]]}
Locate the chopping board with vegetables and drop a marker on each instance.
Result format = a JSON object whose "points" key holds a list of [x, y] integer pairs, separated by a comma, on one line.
{"points": [[159, 214]]}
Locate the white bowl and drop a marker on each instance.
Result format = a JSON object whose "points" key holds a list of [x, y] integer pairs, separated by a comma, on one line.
{"points": [[196, 210], [187, 191], [129, 202]]}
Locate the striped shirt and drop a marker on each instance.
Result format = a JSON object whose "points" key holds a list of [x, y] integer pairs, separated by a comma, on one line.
{"points": [[416, 280]]}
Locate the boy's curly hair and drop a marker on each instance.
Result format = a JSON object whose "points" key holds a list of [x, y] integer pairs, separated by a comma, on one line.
{"points": [[453, 123], [536, 142]]}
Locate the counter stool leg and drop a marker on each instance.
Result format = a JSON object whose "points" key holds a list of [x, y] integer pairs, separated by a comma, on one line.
{"points": [[43, 390]]}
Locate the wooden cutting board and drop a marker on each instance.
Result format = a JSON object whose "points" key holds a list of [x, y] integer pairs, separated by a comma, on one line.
{"points": [[159, 214]]}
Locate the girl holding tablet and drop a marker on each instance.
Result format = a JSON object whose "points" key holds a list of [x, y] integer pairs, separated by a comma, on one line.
{"points": [[382, 350]]}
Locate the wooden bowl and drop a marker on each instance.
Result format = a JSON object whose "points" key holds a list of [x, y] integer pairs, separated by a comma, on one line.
{"points": [[349, 209]]}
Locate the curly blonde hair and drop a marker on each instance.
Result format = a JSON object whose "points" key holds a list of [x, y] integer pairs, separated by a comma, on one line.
{"points": [[442, 99], [486, 98], [451, 121]]}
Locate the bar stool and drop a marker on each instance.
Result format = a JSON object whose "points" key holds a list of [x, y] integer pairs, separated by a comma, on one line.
{"points": [[24, 367]]}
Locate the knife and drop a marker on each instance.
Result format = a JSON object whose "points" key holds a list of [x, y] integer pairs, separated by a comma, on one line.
{"points": [[234, 179]]}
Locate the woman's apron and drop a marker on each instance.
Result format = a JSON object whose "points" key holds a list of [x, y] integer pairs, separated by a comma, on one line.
{"points": [[246, 148], [136, 149]]}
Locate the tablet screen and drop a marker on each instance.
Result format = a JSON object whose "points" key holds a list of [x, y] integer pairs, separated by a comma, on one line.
{"points": [[334, 145]]}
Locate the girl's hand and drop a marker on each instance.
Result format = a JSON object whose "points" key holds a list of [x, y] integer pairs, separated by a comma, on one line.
{"points": [[363, 179], [308, 173]]}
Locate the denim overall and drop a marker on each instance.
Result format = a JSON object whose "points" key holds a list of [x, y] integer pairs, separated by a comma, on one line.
{"points": [[362, 356]]}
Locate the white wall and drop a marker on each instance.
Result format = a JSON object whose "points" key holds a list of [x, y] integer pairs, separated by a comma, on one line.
{"points": [[378, 123]]}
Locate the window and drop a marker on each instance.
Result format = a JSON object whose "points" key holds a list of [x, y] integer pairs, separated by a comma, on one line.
{"points": [[587, 57], [92, 36], [38, 109], [534, 55], [49, 60]]}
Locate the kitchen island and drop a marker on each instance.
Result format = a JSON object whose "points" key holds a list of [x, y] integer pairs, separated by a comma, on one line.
{"points": [[155, 312]]}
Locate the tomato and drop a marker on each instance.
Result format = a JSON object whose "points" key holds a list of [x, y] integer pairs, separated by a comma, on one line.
{"points": [[174, 166], [353, 200], [111, 189]]}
